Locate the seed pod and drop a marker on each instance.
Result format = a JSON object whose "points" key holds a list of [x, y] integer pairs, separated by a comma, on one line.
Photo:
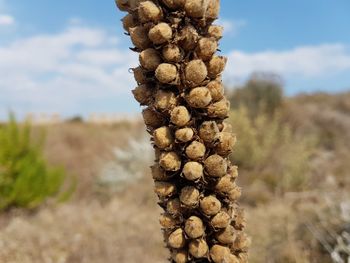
{"points": [[123, 5], [206, 48], [225, 184], [184, 134], [177, 239], [188, 38], [219, 253], [199, 97], [160, 33], [239, 222], [174, 4], [242, 242], [167, 221], [189, 196], [180, 256], [129, 21], [233, 259], [195, 150], [210, 205], [226, 142], [216, 66], [152, 118], [243, 257], [195, 72], [198, 248], [194, 227], [143, 94], [216, 90], [195, 8], [167, 73], [174, 206], [226, 236], [172, 53], [149, 12], [158, 173], [234, 194], [150, 59], [180, 116], [215, 165], [221, 220], [215, 31], [193, 171], [164, 189], [170, 161], [219, 109], [233, 171], [209, 132], [139, 37], [163, 137], [140, 75], [165, 100], [213, 9]]}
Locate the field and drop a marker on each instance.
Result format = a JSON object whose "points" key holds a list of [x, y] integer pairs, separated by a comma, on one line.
{"points": [[294, 173]]}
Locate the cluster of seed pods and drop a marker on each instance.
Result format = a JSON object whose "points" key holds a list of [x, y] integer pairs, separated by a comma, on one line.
{"points": [[184, 108]]}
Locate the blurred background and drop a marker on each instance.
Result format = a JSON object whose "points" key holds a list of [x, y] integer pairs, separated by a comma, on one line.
{"points": [[75, 185]]}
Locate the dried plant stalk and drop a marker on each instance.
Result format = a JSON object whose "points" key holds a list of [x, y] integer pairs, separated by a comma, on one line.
{"points": [[179, 84]]}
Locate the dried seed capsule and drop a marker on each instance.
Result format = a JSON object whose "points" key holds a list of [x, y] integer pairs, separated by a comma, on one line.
{"points": [[209, 131], [216, 31], [189, 196], [226, 142], [170, 161], [210, 205], [216, 66], [219, 109], [160, 33], [213, 9], [216, 90], [152, 118], [129, 21], [143, 94], [239, 222], [150, 59], [193, 171], [195, 8], [206, 48], [158, 173], [233, 171], [180, 256], [243, 257], [216, 166], [194, 227], [195, 72], [184, 134], [188, 38], [140, 75], [225, 184], [149, 12], [167, 73], [165, 100], [172, 53], [174, 206], [163, 137], [180, 116], [123, 5], [219, 254], [199, 97], [221, 220], [233, 259], [242, 242], [139, 37], [234, 194], [164, 189], [195, 150], [174, 4], [167, 221], [226, 236], [177, 239], [198, 248]]}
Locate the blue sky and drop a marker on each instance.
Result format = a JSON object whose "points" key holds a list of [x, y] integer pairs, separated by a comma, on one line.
{"points": [[71, 57]]}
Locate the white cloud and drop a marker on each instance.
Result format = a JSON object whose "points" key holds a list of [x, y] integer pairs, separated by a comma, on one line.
{"points": [[232, 27], [6, 20]]}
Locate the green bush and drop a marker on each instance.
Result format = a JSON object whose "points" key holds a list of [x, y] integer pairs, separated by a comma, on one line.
{"points": [[26, 180]]}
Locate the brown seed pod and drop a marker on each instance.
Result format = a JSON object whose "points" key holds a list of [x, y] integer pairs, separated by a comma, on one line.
{"points": [[209, 132], [167, 221], [216, 90], [198, 248], [242, 242], [184, 134], [170, 161], [219, 254], [180, 116], [167, 73], [233, 259], [163, 137], [196, 150], [233, 171], [195, 73], [239, 221], [149, 12], [150, 59], [194, 227], [129, 21], [160, 33], [164, 189], [188, 38], [234, 194], [143, 94], [243, 257], [180, 256], [139, 37], [173, 206], [165, 100], [195, 8], [123, 5], [177, 239], [213, 9], [225, 184], [226, 142], [221, 220], [206, 48], [158, 173], [174, 4], [210, 205], [215, 165], [199, 97], [193, 171], [189, 196], [152, 118], [219, 109], [226, 236], [172, 53], [216, 66], [140, 75], [215, 31]]}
